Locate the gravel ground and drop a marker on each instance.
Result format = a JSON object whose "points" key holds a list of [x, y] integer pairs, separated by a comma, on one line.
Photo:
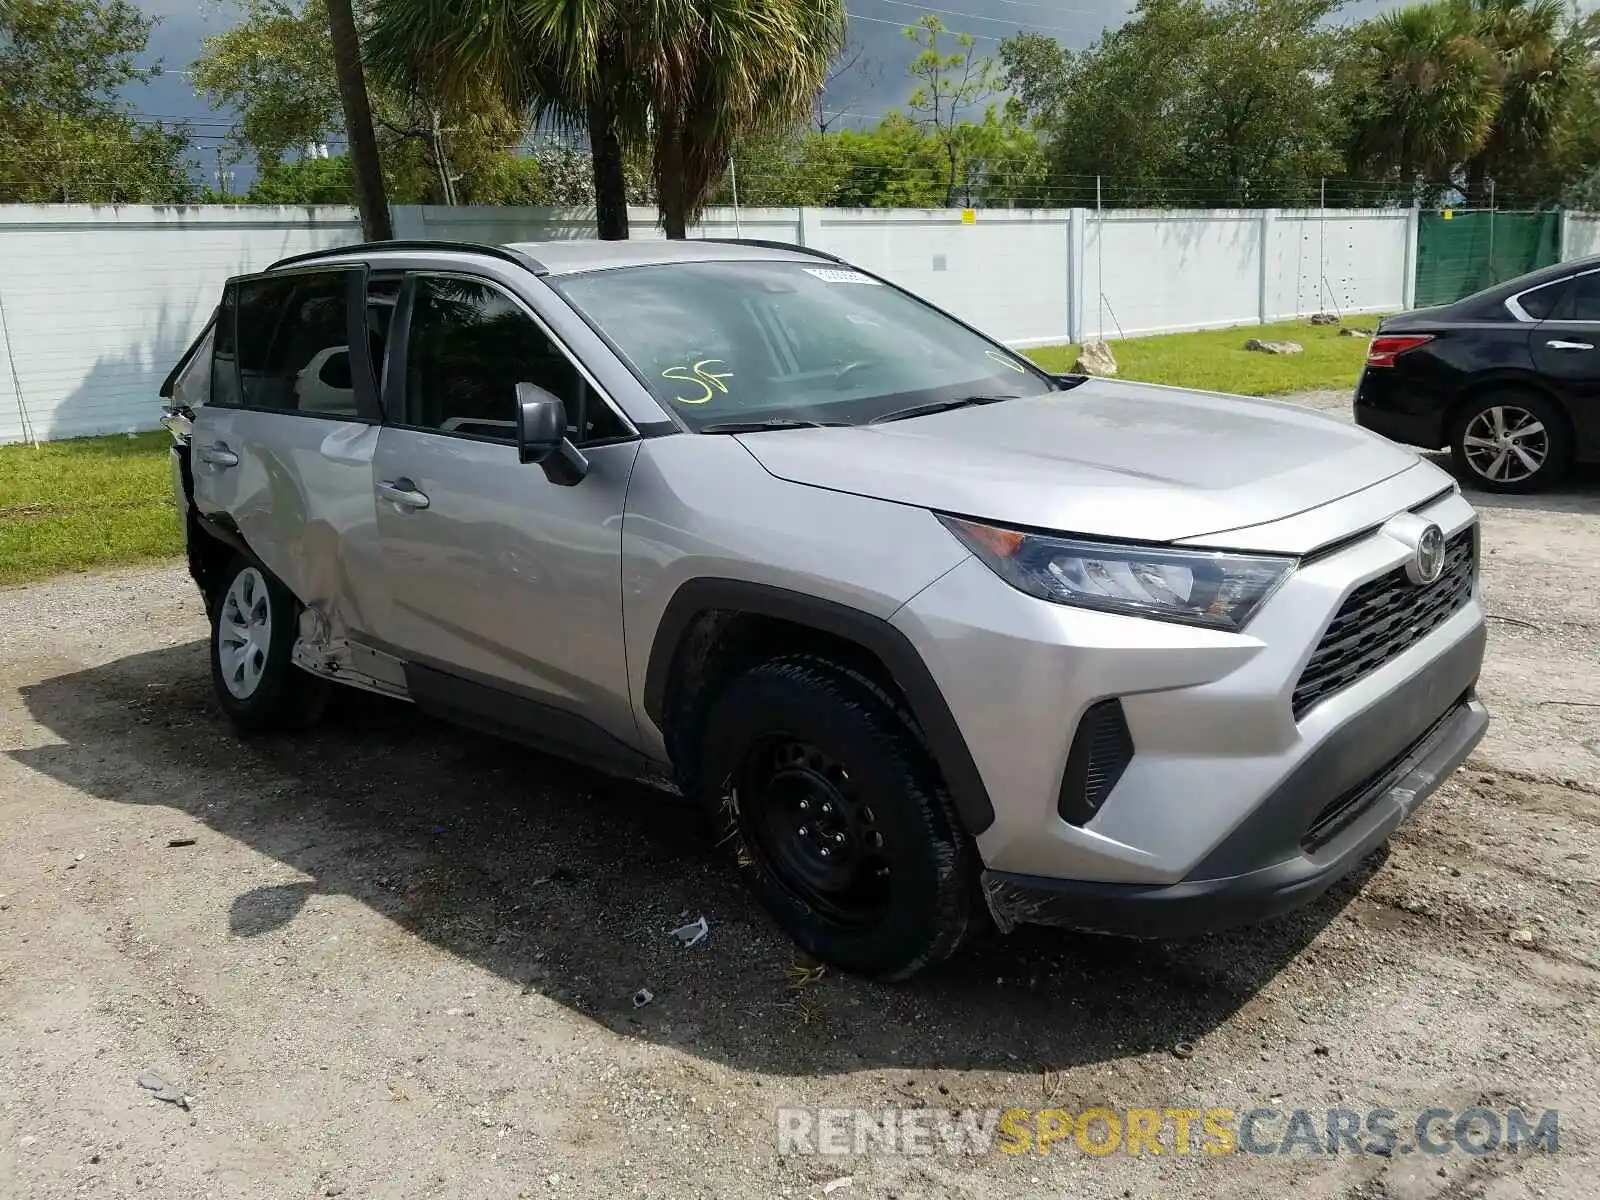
{"points": [[395, 959]]}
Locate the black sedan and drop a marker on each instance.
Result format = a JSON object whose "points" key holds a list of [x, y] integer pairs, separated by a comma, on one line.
{"points": [[1508, 379]]}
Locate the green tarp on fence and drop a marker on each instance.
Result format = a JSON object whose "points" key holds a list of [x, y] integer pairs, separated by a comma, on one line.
{"points": [[1473, 250]]}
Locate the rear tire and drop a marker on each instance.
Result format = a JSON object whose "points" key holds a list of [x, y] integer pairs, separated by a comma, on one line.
{"points": [[837, 818], [1512, 442], [254, 623]]}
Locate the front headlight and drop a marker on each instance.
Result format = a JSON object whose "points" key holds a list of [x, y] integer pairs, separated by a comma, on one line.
{"points": [[1195, 587]]}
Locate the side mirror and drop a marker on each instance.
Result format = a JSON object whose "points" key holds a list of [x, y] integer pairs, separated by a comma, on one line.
{"points": [[542, 436], [541, 423]]}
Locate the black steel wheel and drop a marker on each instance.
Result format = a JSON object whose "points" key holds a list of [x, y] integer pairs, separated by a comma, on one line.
{"points": [[837, 817], [815, 828]]}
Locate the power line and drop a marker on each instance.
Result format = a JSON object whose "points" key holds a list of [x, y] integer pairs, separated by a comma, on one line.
{"points": [[982, 37], [1047, 7], [950, 12]]}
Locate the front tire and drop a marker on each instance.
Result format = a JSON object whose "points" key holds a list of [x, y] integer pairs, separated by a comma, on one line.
{"points": [[1513, 442], [253, 629], [837, 818]]}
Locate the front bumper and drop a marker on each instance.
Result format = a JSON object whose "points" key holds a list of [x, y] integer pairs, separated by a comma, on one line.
{"points": [[1224, 780], [1364, 814]]}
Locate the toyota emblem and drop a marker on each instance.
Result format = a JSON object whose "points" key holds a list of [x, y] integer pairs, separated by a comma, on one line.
{"points": [[1427, 562]]}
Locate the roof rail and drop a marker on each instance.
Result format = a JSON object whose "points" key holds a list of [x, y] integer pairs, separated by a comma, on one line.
{"points": [[501, 252], [768, 244]]}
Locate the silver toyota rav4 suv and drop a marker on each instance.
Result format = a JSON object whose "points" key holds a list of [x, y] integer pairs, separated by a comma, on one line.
{"points": [[936, 638]]}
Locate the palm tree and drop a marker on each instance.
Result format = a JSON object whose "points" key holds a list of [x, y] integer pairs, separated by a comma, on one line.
{"points": [[685, 76], [728, 70], [558, 61], [1426, 94], [1537, 66], [370, 195]]}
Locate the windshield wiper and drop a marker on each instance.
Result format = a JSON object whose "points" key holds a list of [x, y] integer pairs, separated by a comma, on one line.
{"points": [[938, 406], [770, 423]]}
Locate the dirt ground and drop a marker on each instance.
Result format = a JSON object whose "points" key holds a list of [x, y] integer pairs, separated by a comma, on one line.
{"points": [[396, 959]]}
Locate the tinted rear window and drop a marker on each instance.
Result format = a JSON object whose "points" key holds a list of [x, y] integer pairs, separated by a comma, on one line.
{"points": [[1541, 302], [292, 343]]}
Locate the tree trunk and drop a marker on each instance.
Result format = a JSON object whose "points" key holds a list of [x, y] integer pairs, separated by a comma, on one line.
{"points": [[1475, 187], [370, 196], [610, 181], [605, 146], [671, 190]]}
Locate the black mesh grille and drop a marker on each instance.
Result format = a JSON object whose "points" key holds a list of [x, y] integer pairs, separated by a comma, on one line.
{"points": [[1385, 617], [1101, 751]]}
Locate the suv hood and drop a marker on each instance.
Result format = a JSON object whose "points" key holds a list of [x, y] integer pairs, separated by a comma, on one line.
{"points": [[1106, 458]]}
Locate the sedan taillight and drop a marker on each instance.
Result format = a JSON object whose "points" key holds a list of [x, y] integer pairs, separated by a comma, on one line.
{"points": [[1386, 347]]}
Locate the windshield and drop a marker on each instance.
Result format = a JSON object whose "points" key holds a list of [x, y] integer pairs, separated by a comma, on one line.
{"points": [[727, 342]]}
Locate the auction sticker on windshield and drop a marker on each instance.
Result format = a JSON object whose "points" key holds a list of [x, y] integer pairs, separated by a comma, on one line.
{"points": [[835, 275]]}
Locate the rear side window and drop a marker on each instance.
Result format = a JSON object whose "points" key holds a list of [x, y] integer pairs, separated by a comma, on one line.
{"points": [[291, 343], [224, 357], [1584, 302], [1541, 302]]}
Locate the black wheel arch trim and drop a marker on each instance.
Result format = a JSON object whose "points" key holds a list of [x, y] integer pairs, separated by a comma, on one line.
{"points": [[224, 530], [1509, 381], [873, 634]]}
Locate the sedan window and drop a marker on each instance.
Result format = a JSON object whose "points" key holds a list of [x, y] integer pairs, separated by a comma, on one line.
{"points": [[1584, 304], [1541, 302]]}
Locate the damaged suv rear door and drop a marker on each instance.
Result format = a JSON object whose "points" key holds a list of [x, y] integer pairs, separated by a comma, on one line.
{"points": [[283, 449]]}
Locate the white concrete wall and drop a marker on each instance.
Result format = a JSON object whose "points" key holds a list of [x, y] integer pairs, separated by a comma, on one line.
{"points": [[99, 302], [1334, 261], [1149, 272], [1006, 272], [1156, 272], [1580, 235]]}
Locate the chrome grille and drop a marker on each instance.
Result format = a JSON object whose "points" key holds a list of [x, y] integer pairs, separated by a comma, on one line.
{"points": [[1383, 618]]}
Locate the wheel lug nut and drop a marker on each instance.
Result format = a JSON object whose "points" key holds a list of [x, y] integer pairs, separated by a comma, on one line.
{"points": [[838, 839], [805, 806], [825, 852], [826, 807], [805, 831]]}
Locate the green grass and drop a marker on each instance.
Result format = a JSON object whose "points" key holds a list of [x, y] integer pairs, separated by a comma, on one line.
{"points": [[98, 502], [1215, 359], [88, 502]]}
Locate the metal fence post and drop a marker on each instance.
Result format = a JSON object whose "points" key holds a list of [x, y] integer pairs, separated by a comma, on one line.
{"points": [[810, 227], [1408, 284], [1077, 281], [1264, 278]]}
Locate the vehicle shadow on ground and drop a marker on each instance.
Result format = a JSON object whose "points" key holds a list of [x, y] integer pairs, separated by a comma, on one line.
{"points": [[567, 883], [1579, 492]]}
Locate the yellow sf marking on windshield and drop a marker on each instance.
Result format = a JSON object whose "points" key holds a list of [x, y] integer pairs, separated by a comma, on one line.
{"points": [[709, 382], [1006, 362]]}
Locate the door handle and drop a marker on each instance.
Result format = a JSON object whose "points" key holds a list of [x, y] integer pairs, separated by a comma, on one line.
{"points": [[402, 492], [1558, 344], [218, 455]]}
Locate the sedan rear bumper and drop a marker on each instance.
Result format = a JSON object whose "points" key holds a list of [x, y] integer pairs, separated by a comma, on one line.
{"points": [[1424, 429], [1403, 407]]}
